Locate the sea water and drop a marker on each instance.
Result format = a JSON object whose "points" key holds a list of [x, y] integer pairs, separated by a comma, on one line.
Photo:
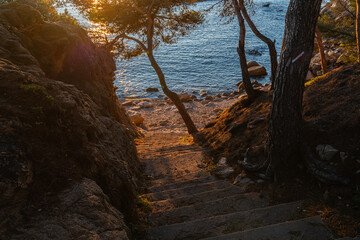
{"points": [[205, 59]]}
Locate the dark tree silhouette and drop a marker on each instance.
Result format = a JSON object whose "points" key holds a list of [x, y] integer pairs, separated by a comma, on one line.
{"points": [[269, 43], [285, 122], [241, 52]]}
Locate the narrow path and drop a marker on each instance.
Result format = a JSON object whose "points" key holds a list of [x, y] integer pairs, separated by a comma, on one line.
{"points": [[188, 203]]}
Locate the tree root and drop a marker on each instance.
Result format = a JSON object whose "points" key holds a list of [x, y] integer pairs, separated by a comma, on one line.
{"points": [[252, 167], [322, 171]]}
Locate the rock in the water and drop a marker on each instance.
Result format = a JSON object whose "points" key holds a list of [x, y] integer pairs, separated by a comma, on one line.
{"points": [[152, 89], [256, 84], [209, 98], [185, 97], [326, 152], [257, 71], [137, 119], [252, 64], [145, 105], [253, 52], [203, 94]]}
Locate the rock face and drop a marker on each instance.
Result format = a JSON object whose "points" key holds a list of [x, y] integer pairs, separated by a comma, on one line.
{"points": [[84, 212], [68, 164]]}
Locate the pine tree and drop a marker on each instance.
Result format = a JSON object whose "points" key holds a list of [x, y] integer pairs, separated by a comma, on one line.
{"points": [[285, 122], [148, 24]]}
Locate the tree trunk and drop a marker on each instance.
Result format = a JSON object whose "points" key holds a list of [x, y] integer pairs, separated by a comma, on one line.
{"points": [[241, 52], [270, 44], [321, 50], [285, 122], [358, 28], [173, 96]]}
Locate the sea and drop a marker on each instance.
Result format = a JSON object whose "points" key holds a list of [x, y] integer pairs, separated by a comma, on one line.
{"points": [[206, 59]]}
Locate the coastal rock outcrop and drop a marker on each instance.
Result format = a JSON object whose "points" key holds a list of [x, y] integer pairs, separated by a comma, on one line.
{"points": [[68, 164]]}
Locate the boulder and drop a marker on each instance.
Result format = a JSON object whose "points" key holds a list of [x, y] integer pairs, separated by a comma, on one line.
{"points": [[222, 169], [309, 76], [164, 123], [128, 103], [253, 52], [145, 105], [256, 84], [326, 152], [257, 71], [203, 94], [83, 212], [209, 98], [252, 64], [152, 89], [185, 97], [137, 119], [241, 86]]}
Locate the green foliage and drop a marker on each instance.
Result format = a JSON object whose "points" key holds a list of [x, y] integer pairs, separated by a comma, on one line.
{"points": [[47, 10], [185, 139], [143, 203], [316, 79], [136, 27], [226, 9], [38, 110], [37, 90], [338, 23]]}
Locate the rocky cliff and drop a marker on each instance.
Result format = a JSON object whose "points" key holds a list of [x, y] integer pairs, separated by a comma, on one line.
{"points": [[68, 164]]}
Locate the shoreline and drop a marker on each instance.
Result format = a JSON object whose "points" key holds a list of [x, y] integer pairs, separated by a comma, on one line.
{"points": [[162, 115]]}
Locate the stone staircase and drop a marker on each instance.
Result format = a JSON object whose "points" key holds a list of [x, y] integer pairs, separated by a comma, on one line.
{"points": [[188, 203], [207, 208]]}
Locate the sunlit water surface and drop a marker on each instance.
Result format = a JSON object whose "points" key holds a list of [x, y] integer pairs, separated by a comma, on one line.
{"points": [[205, 59]]}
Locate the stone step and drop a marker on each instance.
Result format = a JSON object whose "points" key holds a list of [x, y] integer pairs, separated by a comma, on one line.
{"points": [[223, 224], [196, 198], [349, 238], [311, 228], [181, 184], [180, 192], [171, 179], [222, 206]]}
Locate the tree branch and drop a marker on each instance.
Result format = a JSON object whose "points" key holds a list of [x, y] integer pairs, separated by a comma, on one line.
{"points": [[346, 8], [138, 9], [151, 7], [123, 35], [167, 18]]}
